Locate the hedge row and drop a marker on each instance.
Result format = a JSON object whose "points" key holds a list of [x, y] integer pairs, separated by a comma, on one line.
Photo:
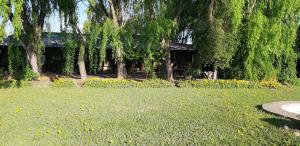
{"points": [[113, 83], [157, 83], [153, 83], [63, 82], [227, 84]]}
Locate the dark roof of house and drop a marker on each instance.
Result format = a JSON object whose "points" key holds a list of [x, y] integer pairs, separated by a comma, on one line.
{"points": [[181, 47], [53, 39], [57, 40]]}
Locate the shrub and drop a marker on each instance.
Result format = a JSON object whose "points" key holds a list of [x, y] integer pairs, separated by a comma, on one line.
{"points": [[25, 74], [297, 82], [63, 82], [109, 83], [218, 84], [113, 83], [14, 83], [8, 84], [270, 84], [29, 75], [1, 73]]}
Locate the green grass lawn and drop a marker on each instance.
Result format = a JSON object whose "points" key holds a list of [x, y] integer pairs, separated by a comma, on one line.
{"points": [[82, 116]]}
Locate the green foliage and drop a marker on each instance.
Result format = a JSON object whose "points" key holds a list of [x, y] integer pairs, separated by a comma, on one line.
{"points": [[94, 32], [216, 32], [271, 31], [28, 74], [110, 35], [109, 83], [4, 84], [6, 12], [218, 84], [69, 56], [245, 39], [147, 45], [150, 66], [113, 83], [253, 40], [228, 84], [108, 20], [297, 82], [4, 20], [39, 50], [16, 60], [2, 73], [116, 42], [141, 34], [17, 65], [8, 84], [63, 82], [2, 32], [153, 33], [270, 84], [28, 20]]}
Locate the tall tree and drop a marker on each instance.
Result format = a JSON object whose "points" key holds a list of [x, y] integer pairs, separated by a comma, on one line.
{"points": [[161, 21], [28, 19], [270, 33], [215, 32], [69, 14], [177, 11], [150, 28], [109, 17]]}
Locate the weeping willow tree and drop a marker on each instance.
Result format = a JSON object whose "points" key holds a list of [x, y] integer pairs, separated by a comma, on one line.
{"points": [[69, 56], [2, 28], [28, 19], [271, 32], [143, 35], [69, 18], [156, 28], [251, 39], [16, 62], [145, 25], [107, 19], [147, 46], [102, 36], [216, 32], [95, 56]]}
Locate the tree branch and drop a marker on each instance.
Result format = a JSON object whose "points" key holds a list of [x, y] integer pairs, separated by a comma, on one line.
{"points": [[10, 15], [113, 12]]}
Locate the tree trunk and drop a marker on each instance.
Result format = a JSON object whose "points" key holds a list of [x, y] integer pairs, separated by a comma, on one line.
{"points": [[169, 66], [211, 11], [121, 69], [168, 62], [32, 45], [81, 63], [33, 61]]}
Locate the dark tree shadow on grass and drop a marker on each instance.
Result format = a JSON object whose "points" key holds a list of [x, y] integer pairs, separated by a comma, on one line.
{"points": [[281, 123], [259, 108], [6, 84]]}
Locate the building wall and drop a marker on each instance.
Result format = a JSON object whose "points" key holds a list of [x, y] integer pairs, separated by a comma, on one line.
{"points": [[3, 58], [182, 62], [53, 60]]}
